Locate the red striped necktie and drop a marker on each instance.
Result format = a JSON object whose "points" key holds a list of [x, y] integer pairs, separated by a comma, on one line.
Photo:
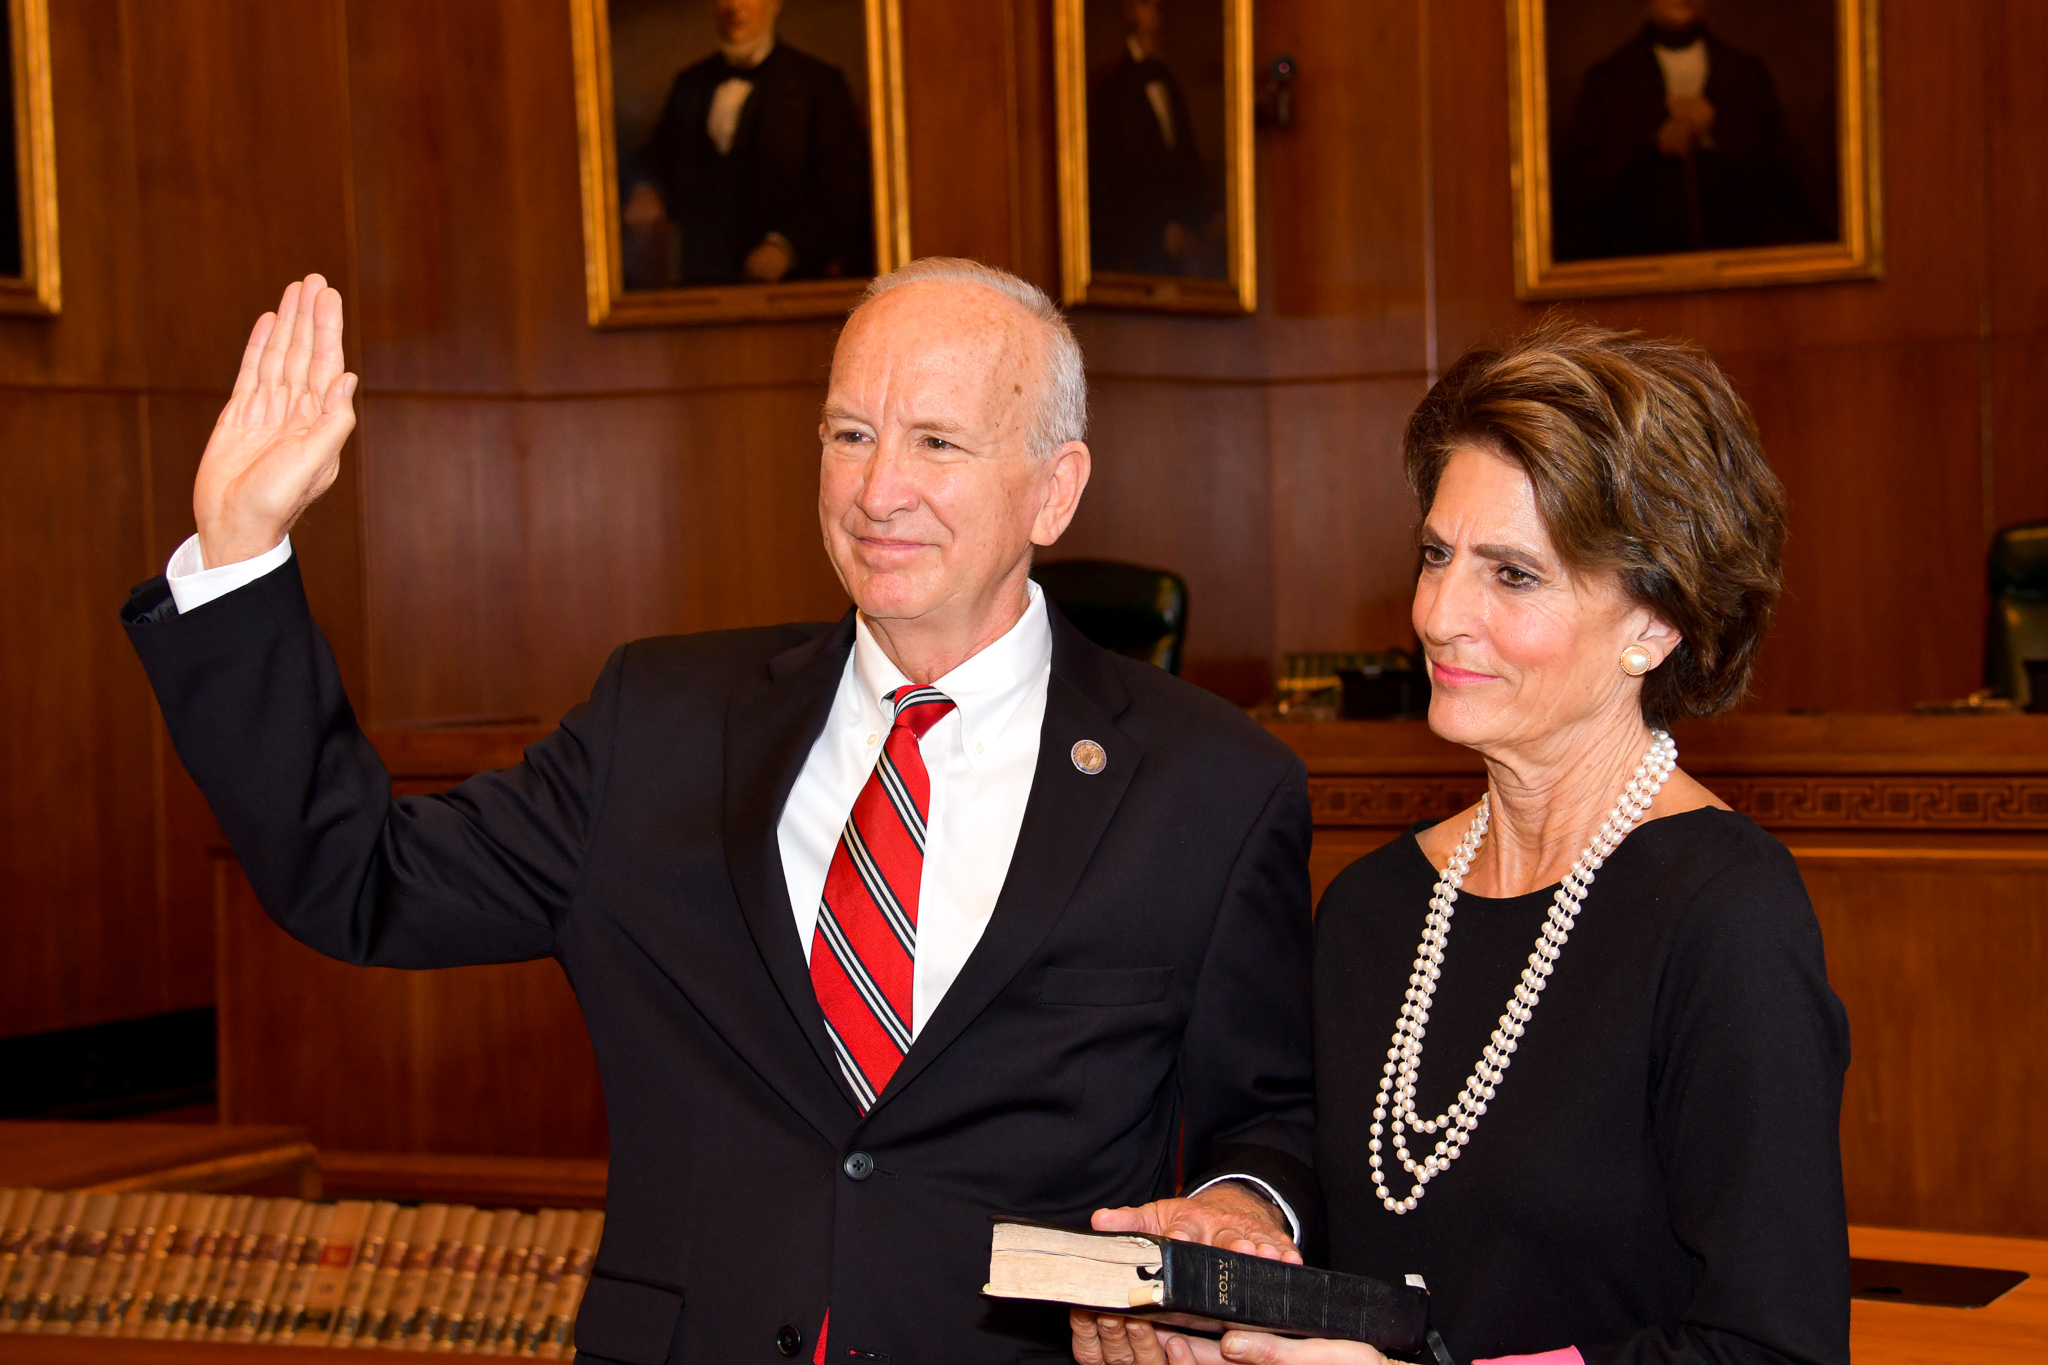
{"points": [[864, 950]]}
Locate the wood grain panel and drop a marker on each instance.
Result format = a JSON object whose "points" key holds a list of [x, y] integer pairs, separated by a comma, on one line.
{"points": [[1180, 483], [1939, 963], [2015, 190], [957, 127], [489, 1060], [74, 1155], [1343, 518], [527, 552], [2019, 431], [85, 938], [439, 229], [242, 167], [1884, 568], [1355, 159]]}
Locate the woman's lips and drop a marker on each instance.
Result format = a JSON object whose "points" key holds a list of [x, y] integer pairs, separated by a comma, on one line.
{"points": [[1457, 677]]}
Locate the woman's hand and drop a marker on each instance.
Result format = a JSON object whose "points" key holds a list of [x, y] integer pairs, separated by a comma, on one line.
{"points": [[1104, 1339]]}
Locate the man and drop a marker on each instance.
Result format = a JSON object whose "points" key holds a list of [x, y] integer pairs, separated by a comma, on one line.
{"points": [[1150, 204], [880, 926], [760, 162], [1677, 143]]}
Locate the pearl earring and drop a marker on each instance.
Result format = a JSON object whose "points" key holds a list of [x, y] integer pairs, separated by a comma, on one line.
{"points": [[1636, 661]]}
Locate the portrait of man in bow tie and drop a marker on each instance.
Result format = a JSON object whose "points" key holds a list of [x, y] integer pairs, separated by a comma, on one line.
{"points": [[1690, 125], [1153, 195], [747, 164]]}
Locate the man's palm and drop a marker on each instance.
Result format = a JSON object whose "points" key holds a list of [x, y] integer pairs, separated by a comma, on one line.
{"points": [[277, 445]]}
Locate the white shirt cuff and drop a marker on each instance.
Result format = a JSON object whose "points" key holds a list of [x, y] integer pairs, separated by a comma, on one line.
{"points": [[1293, 1223], [193, 585]]}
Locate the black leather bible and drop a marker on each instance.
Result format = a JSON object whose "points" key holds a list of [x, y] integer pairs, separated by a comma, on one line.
{"points": [[1144, 1275]]}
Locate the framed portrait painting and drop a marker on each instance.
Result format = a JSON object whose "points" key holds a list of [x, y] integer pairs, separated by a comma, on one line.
{"points": [[742, 159], [1693, 144], [1154, 102], [29, 281]]}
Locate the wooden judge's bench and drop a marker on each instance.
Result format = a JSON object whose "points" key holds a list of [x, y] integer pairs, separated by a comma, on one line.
{"points": [[1923, 841]]}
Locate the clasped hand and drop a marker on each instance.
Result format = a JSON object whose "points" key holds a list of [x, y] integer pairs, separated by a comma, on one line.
{"points": [[1690, 126], [1221, 1216]]}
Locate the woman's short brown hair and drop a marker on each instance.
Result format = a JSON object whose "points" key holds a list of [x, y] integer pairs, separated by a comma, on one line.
{"points": [[1645, 462]]}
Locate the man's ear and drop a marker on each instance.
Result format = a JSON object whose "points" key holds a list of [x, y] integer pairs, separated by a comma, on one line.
{"points": [[1065, 481]]}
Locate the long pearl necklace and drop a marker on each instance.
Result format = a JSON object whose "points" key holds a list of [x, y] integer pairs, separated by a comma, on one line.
{"points": [[1396, 1103]]}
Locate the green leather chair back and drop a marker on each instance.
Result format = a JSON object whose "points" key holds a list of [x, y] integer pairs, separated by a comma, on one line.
{"points": [[2018, 629], [1131, 610]]}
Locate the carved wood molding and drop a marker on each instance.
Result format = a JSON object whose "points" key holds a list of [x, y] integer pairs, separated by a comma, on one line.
{"points": [[1906, 802], [1915, 802], [1393, 801]]}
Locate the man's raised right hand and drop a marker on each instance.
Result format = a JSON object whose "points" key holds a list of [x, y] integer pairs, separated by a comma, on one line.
{"points": [[277, 445]]}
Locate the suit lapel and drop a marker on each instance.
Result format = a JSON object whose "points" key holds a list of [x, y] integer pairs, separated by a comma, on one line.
{"points": [[769, 730], [1064, 820]]}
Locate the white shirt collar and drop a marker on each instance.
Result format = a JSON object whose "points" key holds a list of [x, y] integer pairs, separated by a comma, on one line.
{"points": [[986, 690]]}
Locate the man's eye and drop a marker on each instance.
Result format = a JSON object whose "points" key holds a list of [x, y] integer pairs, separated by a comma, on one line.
{"points": [[1436, 556], [1516, 578], [936, 443], [852, 437]]}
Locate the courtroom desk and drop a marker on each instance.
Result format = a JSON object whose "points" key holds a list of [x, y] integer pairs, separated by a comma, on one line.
{"points": [[42, 1350], [117, 1157], [1923, 841], [2011, 1328], [486, 1181]]}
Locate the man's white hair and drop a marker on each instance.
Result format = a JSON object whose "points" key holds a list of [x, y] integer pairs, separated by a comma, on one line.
{"points": [[1062, 414]]}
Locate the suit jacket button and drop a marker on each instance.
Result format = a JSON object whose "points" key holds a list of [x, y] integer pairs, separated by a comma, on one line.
{"points": [[788, 1339], [859, 1166]]}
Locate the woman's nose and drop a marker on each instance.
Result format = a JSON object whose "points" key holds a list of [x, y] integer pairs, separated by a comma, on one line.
{"points": [[1449, 604]]}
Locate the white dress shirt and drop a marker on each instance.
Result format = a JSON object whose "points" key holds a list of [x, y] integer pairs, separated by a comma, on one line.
{"points": [[193, 585], [724, 119], [1685, 68], [982, 757], [731, 95], [1156, 93]]}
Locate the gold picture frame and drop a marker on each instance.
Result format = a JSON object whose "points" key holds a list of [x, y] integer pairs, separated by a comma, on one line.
{"points": [[611, 304], [1233, 289], [38, 289], [1856, 251]]}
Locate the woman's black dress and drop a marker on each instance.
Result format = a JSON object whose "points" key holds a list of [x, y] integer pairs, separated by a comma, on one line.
{"points": [[1659, 1177]]}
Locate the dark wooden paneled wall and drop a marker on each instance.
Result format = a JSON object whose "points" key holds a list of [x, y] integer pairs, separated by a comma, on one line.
{"points": [[524, 493]]}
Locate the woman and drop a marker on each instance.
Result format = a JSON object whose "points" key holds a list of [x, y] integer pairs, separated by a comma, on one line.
{"points": [[1637, 1160]]}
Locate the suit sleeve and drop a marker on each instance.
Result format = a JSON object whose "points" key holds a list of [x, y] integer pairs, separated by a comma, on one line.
{"points": [[1245, 1070], [1746, 1102], [255, 707]]}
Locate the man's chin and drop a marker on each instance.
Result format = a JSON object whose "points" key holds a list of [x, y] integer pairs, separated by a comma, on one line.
{"points": [[886, 597]]}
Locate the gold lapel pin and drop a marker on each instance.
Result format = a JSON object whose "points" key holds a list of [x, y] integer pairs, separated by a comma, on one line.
{"points": [[1089, 757]]}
